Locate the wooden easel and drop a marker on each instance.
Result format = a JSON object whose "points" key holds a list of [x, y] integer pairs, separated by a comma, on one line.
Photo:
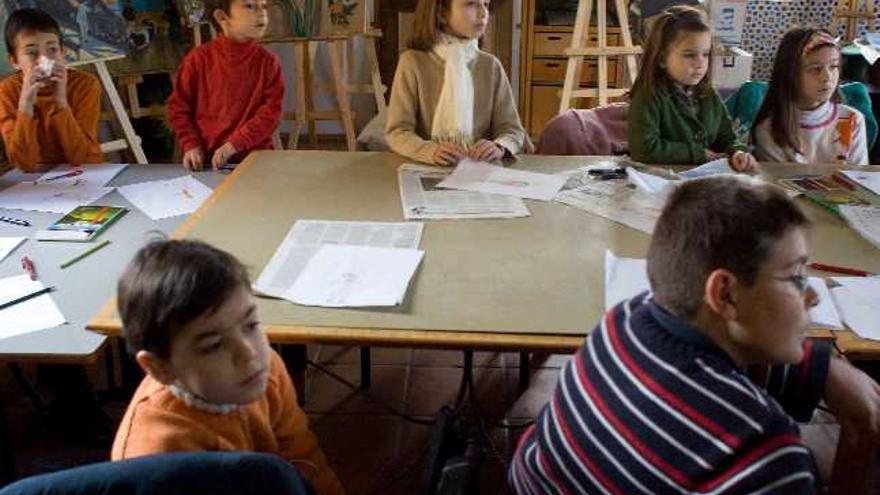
{"points": [[850, 11], [602, 51], [131, 141], [304, 53]]}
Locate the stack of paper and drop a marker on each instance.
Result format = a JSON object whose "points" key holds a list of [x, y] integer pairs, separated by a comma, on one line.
{"points": [[423, 200], [858, 299], [167, 198], [824, 314], [624, 278], [863, 219], [34, 314], [62, 189], [304, 271], [472, 175]]}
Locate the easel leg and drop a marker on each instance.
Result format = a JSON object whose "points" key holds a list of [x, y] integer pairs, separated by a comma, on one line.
{"points": [[134, 141], [311, 55], [300, 105], [575, 65], [623, 21], [341, 90], [375, 75]]}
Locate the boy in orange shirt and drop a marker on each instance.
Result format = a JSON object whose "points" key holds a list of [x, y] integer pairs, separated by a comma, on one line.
{"points": [[213, 382], [48, 113]]}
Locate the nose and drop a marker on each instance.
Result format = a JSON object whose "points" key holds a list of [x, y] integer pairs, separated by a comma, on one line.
{"points": [[811, 297], [483, 12], [245, 350]]}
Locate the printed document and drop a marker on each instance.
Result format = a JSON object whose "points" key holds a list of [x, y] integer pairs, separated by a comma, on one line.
{"points": [[863, 219], [471, 175]]}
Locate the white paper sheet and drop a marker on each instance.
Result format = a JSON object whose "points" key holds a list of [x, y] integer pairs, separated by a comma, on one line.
{"points": [[8, 245], [422, 200], [869, 180], [472, 175], [167, 198], [306, 237], [649, 183], [355, 276], [865, 220], [624, 278], [99, 174], [54, 197], [859, 305], [615, 200], [824, 315], [715, 167], [34, 314]]}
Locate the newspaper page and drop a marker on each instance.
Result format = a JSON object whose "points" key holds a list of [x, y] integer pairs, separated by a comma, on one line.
{"points": [[423, 200], [306, 237], [615, 200]]}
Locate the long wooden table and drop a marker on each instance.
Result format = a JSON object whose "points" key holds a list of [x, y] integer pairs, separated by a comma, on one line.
{"points": [[529, 284]]}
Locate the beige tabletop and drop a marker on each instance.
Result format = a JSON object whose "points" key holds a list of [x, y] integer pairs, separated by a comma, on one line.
{"points": [[529, 283]]}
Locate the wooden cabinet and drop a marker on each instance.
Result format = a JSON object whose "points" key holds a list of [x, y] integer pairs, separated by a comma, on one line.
{"points": [[543, 65]]}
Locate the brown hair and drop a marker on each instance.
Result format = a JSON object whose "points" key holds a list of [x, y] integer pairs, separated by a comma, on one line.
{"points": [[725, 222], [26, 21], [169, 284], [671, 24], [780, 103], [426, 26], [214, 5]]}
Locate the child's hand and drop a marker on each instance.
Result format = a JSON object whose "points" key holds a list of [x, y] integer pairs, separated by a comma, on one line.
{"points": [[448, 154], [222, 155], [32, 81], [194, 159], [743, 162], [486, 150], [59, 78]]}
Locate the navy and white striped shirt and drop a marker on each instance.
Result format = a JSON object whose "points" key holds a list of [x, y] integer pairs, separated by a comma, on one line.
{"points": [[651, 405]]}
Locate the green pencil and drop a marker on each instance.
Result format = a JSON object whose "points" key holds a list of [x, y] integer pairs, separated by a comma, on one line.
{"points": [[84, 254]]}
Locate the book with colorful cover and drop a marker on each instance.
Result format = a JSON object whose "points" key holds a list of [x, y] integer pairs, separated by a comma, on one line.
{"points": [[82, 224]]}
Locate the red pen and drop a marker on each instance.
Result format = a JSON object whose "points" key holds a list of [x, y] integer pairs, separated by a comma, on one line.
{"points": [[28, 266], [840, 269]]}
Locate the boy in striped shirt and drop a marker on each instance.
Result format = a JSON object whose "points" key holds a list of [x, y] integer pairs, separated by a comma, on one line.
{"points": [[660, 398]]}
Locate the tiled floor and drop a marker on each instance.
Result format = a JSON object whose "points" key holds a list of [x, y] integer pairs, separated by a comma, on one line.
{"points": [[374, 449]]}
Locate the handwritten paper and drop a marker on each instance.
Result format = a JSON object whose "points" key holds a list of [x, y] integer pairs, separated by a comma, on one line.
{"points": [[865, 220], [355, 276], [34, 314], [8, 245], [715, 167], [824, 314], [471, 175], [99, 174], [167, 198], [868, 180], [306, 238], [53, 197], [423, 200]]}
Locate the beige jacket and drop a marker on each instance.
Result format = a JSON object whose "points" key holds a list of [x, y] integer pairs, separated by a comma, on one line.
{"points": [[414, 96]]}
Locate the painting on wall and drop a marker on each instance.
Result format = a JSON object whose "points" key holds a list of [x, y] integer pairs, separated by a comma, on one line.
{"points": [[91, 29], [345, 16]]}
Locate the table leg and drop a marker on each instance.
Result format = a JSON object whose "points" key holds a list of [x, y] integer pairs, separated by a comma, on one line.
{"points": [[524, 371], [366, 378], [7, 453]]}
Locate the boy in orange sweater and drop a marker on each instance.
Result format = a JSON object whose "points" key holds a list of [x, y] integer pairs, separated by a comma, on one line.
{"points": [[213, 382], [227, 99], [48, 113]]}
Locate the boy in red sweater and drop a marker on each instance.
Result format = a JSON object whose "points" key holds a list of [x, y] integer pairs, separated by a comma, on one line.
{"points": [[227, 100]]}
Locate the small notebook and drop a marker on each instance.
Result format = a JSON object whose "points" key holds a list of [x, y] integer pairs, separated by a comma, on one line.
{"points": [[82, 224]]}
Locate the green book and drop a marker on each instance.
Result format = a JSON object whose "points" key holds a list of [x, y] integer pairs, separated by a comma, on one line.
{"points": [[82, 224]]}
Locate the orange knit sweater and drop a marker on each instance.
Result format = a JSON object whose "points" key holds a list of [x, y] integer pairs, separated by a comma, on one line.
{"points": [[157, 421], [52, 135]]}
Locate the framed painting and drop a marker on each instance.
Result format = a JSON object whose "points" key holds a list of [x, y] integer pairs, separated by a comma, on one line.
{"points": [[344, 16]]}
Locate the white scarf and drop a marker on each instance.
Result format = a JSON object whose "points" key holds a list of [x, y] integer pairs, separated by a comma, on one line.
{"points": [[454, 115]]}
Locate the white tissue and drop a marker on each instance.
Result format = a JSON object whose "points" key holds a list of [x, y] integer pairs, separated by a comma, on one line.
{"points": [[46, 65]]}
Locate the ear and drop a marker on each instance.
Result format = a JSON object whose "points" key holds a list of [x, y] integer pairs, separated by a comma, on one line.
{"points": [[220, 16], [156, 367], [13, 62], [720, 293]]}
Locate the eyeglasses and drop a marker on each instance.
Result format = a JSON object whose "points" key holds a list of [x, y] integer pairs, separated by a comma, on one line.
{"points": [[800, 282]]}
